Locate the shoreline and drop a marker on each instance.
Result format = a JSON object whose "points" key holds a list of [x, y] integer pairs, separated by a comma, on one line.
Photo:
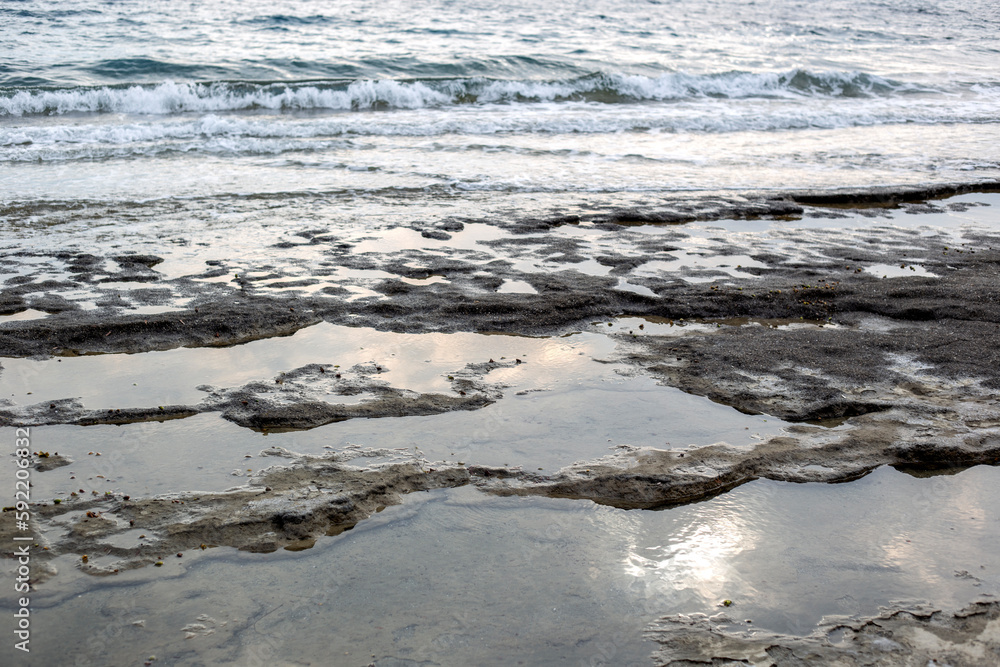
{"points": [[782, 315], [813, 343]]}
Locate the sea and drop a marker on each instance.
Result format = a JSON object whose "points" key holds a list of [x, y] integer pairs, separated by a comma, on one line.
{"points": [[473, 106]]}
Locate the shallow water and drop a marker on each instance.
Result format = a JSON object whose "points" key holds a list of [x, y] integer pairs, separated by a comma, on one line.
{"points": [[561, 405], [458, 577]]}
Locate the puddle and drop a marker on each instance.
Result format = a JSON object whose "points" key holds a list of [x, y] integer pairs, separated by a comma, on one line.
{"points": [[430, 280], [701, 262], [458, 577], [225, 278], [652, 325], [899, 271], [21, 316], [418, 362], [130, 539], [304, 286], [589, 266], [626, 286], [357, 293], [199, 453], [396, 240], [423, 363], [127, 285], [550, 429], [559, 405], [516, 287], [404, 239]]}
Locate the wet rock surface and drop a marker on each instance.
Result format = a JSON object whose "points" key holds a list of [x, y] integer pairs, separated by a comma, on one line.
{"points": [[914, 634], [792, 321], [297, 399], [819, 373], [575, 267], [876, 334], [288, 505], [230, 322], [885, 335], [307, 496], [652, 478]]}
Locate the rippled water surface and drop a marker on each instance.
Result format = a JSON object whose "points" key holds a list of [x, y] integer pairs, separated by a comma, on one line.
{"points": [[141, 100], [461, 578]]}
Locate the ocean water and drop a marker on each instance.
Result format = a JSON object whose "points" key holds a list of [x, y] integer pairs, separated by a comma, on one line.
{"points": [[472, 103]]}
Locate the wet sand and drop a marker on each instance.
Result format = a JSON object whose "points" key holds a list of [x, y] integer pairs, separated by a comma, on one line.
{"points": [[650, 357]]}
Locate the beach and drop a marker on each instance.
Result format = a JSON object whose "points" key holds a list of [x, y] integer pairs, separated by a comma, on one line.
{"points": [[425, 337]]}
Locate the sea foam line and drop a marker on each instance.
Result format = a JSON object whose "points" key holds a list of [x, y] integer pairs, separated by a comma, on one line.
{"points": [[171, 97], [233, 134]]}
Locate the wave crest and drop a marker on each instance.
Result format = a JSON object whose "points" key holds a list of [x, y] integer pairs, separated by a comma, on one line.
{"points": [[171, 97]]}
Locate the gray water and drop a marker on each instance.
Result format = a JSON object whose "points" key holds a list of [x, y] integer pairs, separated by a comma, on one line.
{"points": [[460, 578]]}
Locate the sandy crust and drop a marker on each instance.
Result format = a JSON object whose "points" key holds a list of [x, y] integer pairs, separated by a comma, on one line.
{"points": [[903, 635], [288, 505]]}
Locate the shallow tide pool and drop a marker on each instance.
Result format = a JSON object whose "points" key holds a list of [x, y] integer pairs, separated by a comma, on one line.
{"points": [[459, 577]]}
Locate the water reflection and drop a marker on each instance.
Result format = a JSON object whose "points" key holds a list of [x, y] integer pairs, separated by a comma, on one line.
{"points": [[695, 560], [458, 573], [419, 362]]}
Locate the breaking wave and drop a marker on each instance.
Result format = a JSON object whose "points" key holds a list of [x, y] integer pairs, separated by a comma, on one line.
{"points": [[170, 97]]}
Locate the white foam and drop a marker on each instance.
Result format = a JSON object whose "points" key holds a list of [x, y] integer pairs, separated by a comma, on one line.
{"points": [[171, 97], [275, 133]]}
